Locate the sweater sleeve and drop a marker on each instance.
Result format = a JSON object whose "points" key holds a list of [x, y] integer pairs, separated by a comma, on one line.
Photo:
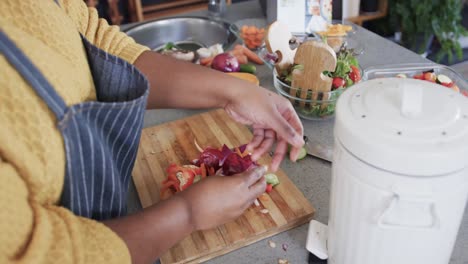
{"points": [[35, 233], [100, 33]]}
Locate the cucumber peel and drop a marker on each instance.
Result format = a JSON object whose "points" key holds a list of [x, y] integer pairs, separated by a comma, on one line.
{"points": [[272, 179], [302, 153]]}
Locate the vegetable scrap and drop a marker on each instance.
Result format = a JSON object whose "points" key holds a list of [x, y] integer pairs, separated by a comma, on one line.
{"points": [[211, 161], [284, 247], [257, 203], [302, 153], [264, 211], [283, 261], [271, 244]]}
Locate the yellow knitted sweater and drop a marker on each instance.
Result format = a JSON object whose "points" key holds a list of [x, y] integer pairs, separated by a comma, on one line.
{"points": [[33, 228]]}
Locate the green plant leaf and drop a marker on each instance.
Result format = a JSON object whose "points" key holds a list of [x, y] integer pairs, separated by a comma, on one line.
{"points": [[441, 18]]}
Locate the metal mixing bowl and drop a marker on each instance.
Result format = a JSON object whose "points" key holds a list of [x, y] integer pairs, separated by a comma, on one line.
{"points": [[191, 32]]}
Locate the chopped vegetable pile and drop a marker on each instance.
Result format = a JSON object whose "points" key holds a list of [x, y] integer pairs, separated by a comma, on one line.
{"points": [[441, 79], [211, 161]]}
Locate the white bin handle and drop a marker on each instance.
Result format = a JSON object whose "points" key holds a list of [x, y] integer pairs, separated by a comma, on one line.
{"points": [[411, 100], [405, 212]]}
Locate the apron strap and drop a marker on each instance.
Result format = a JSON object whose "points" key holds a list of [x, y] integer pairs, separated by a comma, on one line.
{"points": [[32, 75]]}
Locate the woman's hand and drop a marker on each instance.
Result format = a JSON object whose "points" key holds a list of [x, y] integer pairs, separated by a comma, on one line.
{"points": [[273, 119], [219, 199], [176, 84]]}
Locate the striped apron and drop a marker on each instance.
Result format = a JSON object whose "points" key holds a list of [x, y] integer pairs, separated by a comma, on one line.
{"points": [[100, 137]]}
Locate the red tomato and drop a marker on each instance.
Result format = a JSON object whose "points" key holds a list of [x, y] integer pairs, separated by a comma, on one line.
{"points": [[338, 82], [269, 187], [465, 93], [355, 74]]}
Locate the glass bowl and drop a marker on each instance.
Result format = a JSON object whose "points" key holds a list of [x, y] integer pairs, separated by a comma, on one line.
{"points": [[253, 41], [316, 105], [412, 69]]}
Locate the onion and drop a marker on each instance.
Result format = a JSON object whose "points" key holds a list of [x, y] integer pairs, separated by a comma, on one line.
{"points": [[225, 62]]}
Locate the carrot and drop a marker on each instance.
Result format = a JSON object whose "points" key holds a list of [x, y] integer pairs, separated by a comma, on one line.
{"points": [[242, 59], [250, 45], [257, 43], [259, 37], [206, 61], [251, 37], [252, 56], [252, 30], [237, 52], [238, 47]]}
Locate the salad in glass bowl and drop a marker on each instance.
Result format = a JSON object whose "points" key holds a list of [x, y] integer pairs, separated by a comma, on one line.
{"points": [[319, 105]]}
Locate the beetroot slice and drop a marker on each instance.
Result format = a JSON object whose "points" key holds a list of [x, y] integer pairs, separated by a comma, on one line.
{"points": [[226, 159], [235, 164], [210, 157]]}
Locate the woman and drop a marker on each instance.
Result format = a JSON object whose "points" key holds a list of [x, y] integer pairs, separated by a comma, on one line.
{"points": [[71, 110]]}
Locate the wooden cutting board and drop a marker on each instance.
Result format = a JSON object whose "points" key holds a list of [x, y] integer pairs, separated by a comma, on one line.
{"points": [[173, 143]]}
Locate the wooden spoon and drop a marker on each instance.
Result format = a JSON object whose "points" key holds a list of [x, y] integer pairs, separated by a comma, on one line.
{"points": [[316, 57], [278, 42]]}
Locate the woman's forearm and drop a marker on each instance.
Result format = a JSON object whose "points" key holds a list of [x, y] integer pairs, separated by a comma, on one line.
{"points": [[154, 230], [178, 84]]}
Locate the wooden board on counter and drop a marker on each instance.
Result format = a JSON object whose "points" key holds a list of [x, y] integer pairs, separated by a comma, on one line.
{"points": [[173, 142]]}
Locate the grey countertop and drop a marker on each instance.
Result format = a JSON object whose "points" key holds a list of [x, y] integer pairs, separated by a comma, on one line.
{"points": [[312, 176]]}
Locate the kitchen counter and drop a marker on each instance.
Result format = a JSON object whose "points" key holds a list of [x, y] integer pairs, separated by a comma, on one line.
{"points": [[312, 176]]}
